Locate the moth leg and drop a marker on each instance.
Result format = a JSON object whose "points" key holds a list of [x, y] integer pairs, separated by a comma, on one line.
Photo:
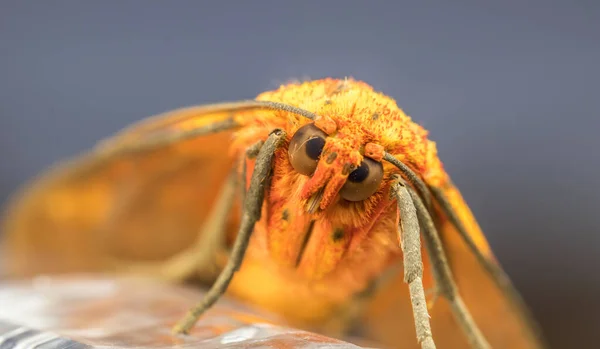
{"points": [[410, 242], [446, 282], [251, 214]]}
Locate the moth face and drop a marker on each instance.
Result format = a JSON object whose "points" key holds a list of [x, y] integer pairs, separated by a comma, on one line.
{"points": [[335, 166]]}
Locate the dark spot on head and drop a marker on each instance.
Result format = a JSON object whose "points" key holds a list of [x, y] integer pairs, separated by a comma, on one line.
{"points": [[348, 168], [375, 116], [339, 88], [337, 235], [368, 291], [285, 215], [277, 132], [331, 157], [327, 101]]}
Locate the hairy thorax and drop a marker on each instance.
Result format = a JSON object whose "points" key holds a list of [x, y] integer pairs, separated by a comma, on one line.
{"points": [[305, 262]]}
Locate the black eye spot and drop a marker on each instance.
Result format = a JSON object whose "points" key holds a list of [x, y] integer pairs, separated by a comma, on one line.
{"points": [[285, 215], [305, 149], [363, 181], [337, 235], [314, 147], [360, 174]]}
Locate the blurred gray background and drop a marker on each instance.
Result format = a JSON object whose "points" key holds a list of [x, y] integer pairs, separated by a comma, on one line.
{"points": [[510, 92]]}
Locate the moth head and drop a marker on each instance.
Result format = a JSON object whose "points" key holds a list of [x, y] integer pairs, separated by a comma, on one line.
{"points": [[335, 164]]}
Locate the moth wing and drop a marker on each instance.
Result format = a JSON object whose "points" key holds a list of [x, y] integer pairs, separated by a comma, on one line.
{"points": [[498, 310], [495, 304], [145, 204]]}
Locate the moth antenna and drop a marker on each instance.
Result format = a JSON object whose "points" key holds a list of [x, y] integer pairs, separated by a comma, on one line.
{"points": [[447, 284], [410, 242], [288, 108], [410, 176], [252, 210], [151, 133], [440, 266], [163, 138]]}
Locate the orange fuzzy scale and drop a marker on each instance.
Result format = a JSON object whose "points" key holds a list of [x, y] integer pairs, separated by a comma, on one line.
{"points": [[351, 243]]}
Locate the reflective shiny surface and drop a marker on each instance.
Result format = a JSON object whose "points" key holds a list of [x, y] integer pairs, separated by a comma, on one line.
{"points": [[87, 312]]}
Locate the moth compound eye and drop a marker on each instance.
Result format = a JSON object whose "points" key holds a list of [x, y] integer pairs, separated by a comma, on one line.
{"points": [[363, 181], [305, 148]]}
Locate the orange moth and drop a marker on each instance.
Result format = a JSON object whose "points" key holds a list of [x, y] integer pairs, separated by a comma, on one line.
{"points": [[321, 201]]}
